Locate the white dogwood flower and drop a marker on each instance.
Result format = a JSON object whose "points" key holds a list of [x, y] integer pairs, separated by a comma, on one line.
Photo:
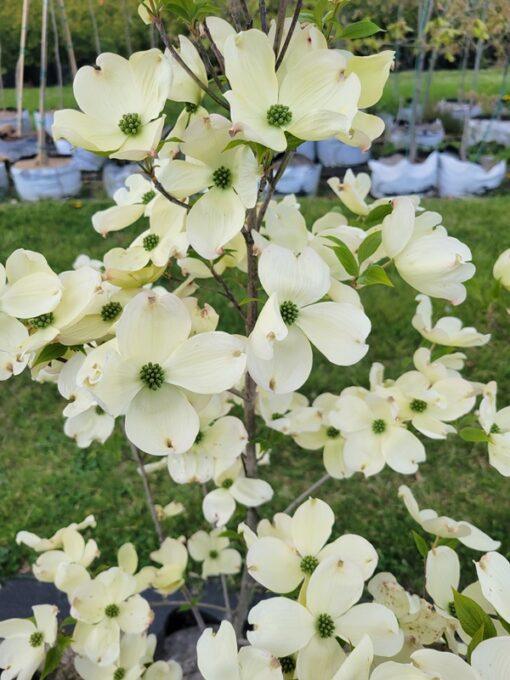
{"points": [[234, 487], [184, 88], [229, 175], [133, 200], [28, 286], [164, 670], [445, 527], [314, 100], [26, 642], [442, 576], [279, 352], [104, 607], [121, 101], [493, 572], [283, 626], [173, 558], [282, 562], [501, 269], [448, 330], [134, 650], [353, 190], [425, 256], [374, 436], [212, 549], [74, 551], [496, 425], [56, 541], [12, 334], [154, 362], [219, 659]]}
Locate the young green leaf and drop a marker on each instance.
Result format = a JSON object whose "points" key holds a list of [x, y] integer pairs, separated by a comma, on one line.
{"points": [[473, 434], [375, 274], [54, 655], [360, 29], [421, 544], [344, 255], [377, 214], [50, 352], [472, 616], [369, 246], [475, 641]]}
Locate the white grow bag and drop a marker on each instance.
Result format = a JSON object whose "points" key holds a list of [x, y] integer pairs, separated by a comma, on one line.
{"points": [[402, 177], [115, 175], [487, 130], [8, 118], [4, 179], [300, 179], [34, 184], [462, 178], [332, 153], [458, 110], [62, 145], [428, 135], [87, 161]]}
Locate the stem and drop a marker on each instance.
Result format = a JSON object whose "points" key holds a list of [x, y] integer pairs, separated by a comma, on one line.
{"points": [[127, 27], [68, 38], [163, 191], [175, 54], [20, 68], [226, 597], [179, 603], [263, 15], [272, 188], [42, 156], [290, 33], [214, 48], [306, 493], [95, 31], [280, 22], [149, 499], [56, 49], [228, 293]]}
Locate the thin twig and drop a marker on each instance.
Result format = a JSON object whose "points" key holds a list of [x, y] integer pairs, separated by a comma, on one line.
{"points": [[290, 33], [180, 603], [165, 193], [226, 597], [280, 22], [272, 188], [175, 54], [214, 47], [207, 61], [236, 393], [228, 293], [263, 15], [306, 493]]}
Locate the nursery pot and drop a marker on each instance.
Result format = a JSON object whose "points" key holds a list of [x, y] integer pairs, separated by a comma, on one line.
{"points": [[457, 109], [300, 177], [12, 149], [115, 174], [86, 161], [428, 135], [333, 153], [58, 179], [4, 179], [463, 178], [397, 176], [9, 121], [489, 130], [62, 146]]}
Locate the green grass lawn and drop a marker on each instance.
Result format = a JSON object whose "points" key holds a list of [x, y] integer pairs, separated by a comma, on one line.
{"points": [[46, 482], [446, 84]]}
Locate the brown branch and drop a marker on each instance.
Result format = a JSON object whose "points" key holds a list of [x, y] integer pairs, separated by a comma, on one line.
{"points": [[290, 33], [263, 15], [280, 22], [207, 61], [227, 292], [165, 193], [306, 493], [158, 23], [214, 47], [272, 188]]}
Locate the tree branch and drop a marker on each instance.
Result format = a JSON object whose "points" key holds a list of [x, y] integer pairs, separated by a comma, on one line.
{"points": [[306, 493], [228, 293], [226, 596], [263, 15], [214, 47], [280, 22], [272, 188], [165, 193], [290, 33]]}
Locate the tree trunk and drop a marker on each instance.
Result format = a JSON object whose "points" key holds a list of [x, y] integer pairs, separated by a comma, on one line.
{"points": [[127, 27], [20, 68], [424, 17], [41, 132], [68, 38], [2, 91], [95, 31], [430, 76], [56, 50]]}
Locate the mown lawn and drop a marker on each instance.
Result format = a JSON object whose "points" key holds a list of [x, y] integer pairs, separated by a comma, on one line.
{"points": [[445, 84], [46, 482]]}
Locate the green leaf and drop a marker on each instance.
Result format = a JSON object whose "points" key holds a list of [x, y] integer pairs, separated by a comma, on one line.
{"points": [[54, 655], [231, 535], [68, 621], [369, 246], [504, 623], [448, 542], [421, 544], [50, 352], [344, 255], [474, 642], [375, 274], [472, 616], [473, 434], [292, 142], [360, 29], [377, 214]]}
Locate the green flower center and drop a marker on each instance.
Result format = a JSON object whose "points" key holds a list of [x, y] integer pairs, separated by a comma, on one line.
{"points": [[130, 123], [148, 196], [332, 432], [36, 639], [42, 321], [152, 375], [495, 428], [119, 674], [418, 405], [289, 311], [288, 664], [227, 483], [222, 177], [112, 610], [378, 426], [279, 115], [111, 311], [325, 626], [309, 564], [150, 241], [214, 554], [190, 107]]}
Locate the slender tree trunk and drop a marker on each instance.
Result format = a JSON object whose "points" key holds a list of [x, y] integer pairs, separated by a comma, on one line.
{"points": [[20, 68], [463, 69], [480, 44], [41, 132], [68, 38], [127, 27], [424, 17], [430, 77], [2, 91], [56, 50], [95, 32]]}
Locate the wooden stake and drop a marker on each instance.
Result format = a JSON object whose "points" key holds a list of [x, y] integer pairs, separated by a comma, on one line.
{"points": [[68, 38], [20, 68], [127, 27], [42, 156], [56, 50], [95, 30], [2, 91]]}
